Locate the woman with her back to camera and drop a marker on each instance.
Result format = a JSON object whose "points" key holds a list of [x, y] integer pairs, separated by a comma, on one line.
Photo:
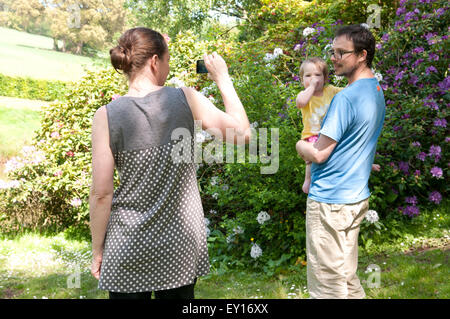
{"points": [[148, 235]]}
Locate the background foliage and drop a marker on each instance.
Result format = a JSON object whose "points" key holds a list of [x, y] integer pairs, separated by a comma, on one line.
{"points": [[28, 88]]}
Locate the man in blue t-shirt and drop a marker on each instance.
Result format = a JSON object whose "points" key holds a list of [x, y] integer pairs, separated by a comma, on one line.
{"points": [[342, 160]]}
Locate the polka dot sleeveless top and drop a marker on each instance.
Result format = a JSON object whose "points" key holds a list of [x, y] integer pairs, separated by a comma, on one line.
{"points": [[156, 236]]}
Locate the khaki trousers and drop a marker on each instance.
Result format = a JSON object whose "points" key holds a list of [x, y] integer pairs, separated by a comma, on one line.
{"points": [[332, 249]]}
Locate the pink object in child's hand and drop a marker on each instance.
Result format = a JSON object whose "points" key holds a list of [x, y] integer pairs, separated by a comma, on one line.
{"points": [[312, 139]]}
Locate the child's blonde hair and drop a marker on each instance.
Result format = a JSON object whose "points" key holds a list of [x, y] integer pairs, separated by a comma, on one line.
{"points": [[320, 63]]}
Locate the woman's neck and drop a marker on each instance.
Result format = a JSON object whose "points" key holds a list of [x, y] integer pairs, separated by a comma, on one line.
{"points": [[141, 86]]}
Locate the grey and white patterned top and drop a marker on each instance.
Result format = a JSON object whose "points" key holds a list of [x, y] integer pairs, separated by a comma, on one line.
{"points": [[156, 236]]}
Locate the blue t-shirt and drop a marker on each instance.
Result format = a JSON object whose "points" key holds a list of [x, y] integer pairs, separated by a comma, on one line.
{"points": [[354, 120]]}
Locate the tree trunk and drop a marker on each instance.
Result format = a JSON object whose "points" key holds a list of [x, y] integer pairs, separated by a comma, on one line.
{"points": [[79, 48], [55, 44]]}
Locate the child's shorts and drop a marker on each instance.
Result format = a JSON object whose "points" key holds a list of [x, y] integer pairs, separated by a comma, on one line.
{"points": [[312, 139]]}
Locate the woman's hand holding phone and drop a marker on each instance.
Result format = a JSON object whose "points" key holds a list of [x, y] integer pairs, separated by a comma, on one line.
{"points": [[217, 68]]}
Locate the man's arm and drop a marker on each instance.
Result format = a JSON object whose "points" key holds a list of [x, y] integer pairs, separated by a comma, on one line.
{"points": [[317, 152]]}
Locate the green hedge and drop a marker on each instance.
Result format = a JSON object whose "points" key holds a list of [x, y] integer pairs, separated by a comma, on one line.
{"points": [[27, 88]]}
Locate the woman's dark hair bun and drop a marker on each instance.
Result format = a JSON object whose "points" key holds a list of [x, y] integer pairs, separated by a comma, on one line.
{"points": [[120, 58], [134, 49]]}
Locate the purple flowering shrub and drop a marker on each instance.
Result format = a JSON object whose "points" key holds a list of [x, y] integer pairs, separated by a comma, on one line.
{"points": [[413, 147]]}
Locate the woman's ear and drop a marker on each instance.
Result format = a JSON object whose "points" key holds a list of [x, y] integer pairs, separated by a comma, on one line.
{"points": [[152, 62]]}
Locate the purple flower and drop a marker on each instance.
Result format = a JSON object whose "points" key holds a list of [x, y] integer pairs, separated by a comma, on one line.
{"points": [[413, 79], [440, 122], [431, 103], [405, 116], [404, 167], [418, 50], [430, 70], [411, 200], [421, 156], [411, 211], [397, 128], [436, 172], [435, 150], [435, 197], [418, 61], [409, 16], [416, 144], [400, 11], [378, 46], [430, 35], [447, 140], [445, 84], [295, 78], [399, 76], [439, 12], [433, 57], [385, 37], [417, 173], [391, 70]]}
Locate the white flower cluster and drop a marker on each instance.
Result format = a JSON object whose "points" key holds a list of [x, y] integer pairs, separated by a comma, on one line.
{"points": [[174, 81], [238, 230], [256, 251], [372, 216], [276, 53], [214, 180], [377, 75], [207, 90], [308, 31], [262, 217]]}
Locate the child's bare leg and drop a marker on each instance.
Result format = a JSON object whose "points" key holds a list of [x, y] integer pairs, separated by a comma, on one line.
{"points": [[307, 181]]}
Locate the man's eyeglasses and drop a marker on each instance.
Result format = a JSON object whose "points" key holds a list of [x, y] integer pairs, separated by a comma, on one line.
{"points": [[338, 54]]}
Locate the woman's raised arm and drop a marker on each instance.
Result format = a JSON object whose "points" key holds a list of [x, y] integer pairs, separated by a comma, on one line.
{"points": [[212, 118]]}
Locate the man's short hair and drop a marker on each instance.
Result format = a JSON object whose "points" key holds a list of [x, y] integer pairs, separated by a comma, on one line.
{"points": [[362, 39]]}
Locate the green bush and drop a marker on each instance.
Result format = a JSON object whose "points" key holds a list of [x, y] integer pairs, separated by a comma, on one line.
{"points": [[27, 88], [53, 176]]}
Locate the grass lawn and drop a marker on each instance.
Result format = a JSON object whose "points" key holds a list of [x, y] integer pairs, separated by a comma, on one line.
{"points": [[28, 55], [34, 266], [19, 119]]}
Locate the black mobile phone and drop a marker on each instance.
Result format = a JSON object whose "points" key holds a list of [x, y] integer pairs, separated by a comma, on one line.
{"points": [[201, 68]]}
